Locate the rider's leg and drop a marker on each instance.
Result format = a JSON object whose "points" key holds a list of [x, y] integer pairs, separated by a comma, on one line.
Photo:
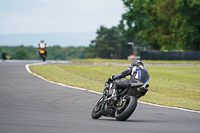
{"points": [[114, 91], [122, 84]]}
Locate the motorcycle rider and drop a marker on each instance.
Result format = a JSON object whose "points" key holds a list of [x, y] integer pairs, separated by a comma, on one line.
{"points": [[138, 74], [42, 45], [4, 55]]}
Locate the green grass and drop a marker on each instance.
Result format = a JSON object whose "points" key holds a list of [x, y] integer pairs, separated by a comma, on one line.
{"points": [[177, 86], [99, 60]]}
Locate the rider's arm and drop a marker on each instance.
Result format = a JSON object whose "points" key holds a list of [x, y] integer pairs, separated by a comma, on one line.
{"points": [[46, 45], [123, 74]]}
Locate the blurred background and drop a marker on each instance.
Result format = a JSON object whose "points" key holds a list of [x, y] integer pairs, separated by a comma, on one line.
{"points": [[112, 29]]}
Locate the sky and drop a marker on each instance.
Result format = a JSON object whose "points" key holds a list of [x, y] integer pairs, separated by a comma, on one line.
{"points": [[62, 22]]}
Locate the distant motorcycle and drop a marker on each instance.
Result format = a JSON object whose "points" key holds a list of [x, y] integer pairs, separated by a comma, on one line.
{"points": [[5, 56], [124, 106], [43, 54]]}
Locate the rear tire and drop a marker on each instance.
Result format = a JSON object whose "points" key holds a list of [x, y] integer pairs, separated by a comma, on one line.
{"points": [[129, 107], [96, 112]]}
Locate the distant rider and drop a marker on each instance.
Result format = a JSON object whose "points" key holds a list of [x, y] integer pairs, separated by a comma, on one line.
{"points": [[4, 55], [42, 45], [138, 74]]}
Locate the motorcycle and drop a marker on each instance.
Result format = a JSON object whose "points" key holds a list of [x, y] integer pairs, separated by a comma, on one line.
{"points": [[5, 56], [42, 53], [123, 106]]}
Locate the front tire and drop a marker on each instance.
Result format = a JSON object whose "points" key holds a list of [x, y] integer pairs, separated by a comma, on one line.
{"points": [[129, 107], [43, 57], [96, 112]]}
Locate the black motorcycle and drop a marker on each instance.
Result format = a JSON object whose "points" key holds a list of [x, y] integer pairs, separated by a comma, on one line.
{"points": [[123, 106]]}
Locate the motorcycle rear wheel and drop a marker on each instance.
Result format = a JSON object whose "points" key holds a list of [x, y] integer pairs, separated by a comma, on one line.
{"points": [[129, 107], [96, 112]]}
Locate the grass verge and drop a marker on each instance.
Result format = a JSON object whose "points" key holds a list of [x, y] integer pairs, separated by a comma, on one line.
{"points": [[99, 60], [176, 86]]}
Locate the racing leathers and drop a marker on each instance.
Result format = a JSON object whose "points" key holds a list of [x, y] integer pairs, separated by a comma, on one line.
{"points": [[42, 45], [138, 73]]}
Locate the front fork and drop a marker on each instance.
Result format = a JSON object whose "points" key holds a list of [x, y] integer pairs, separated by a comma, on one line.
{"points": [[103, 103]]}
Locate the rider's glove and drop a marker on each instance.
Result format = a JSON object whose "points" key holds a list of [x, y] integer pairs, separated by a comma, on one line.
{"points": [[111, 78]]}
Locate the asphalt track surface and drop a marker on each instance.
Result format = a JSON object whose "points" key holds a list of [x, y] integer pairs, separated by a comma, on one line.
{"points": [[29, 104]]}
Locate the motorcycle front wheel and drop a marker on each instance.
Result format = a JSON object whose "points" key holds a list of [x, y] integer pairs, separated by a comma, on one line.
{"points": [[43, 57], [128, 108], [96, 112]]}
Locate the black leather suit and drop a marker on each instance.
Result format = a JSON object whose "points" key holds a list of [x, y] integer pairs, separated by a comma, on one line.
{"points": [[137, 72]]}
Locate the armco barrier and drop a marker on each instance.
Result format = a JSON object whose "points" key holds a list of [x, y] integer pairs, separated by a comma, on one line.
{"points": [[171, 55]]}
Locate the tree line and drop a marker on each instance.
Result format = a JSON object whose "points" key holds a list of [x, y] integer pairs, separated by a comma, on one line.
{"points": [[154, 24], [53, 52], [164, 24]]}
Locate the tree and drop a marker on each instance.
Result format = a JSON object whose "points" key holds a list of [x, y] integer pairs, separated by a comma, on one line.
{"points": [[109, 43], [136, 20], [21, 54], [105, 44], [163, 13], [164, 24], [188, 24]]}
